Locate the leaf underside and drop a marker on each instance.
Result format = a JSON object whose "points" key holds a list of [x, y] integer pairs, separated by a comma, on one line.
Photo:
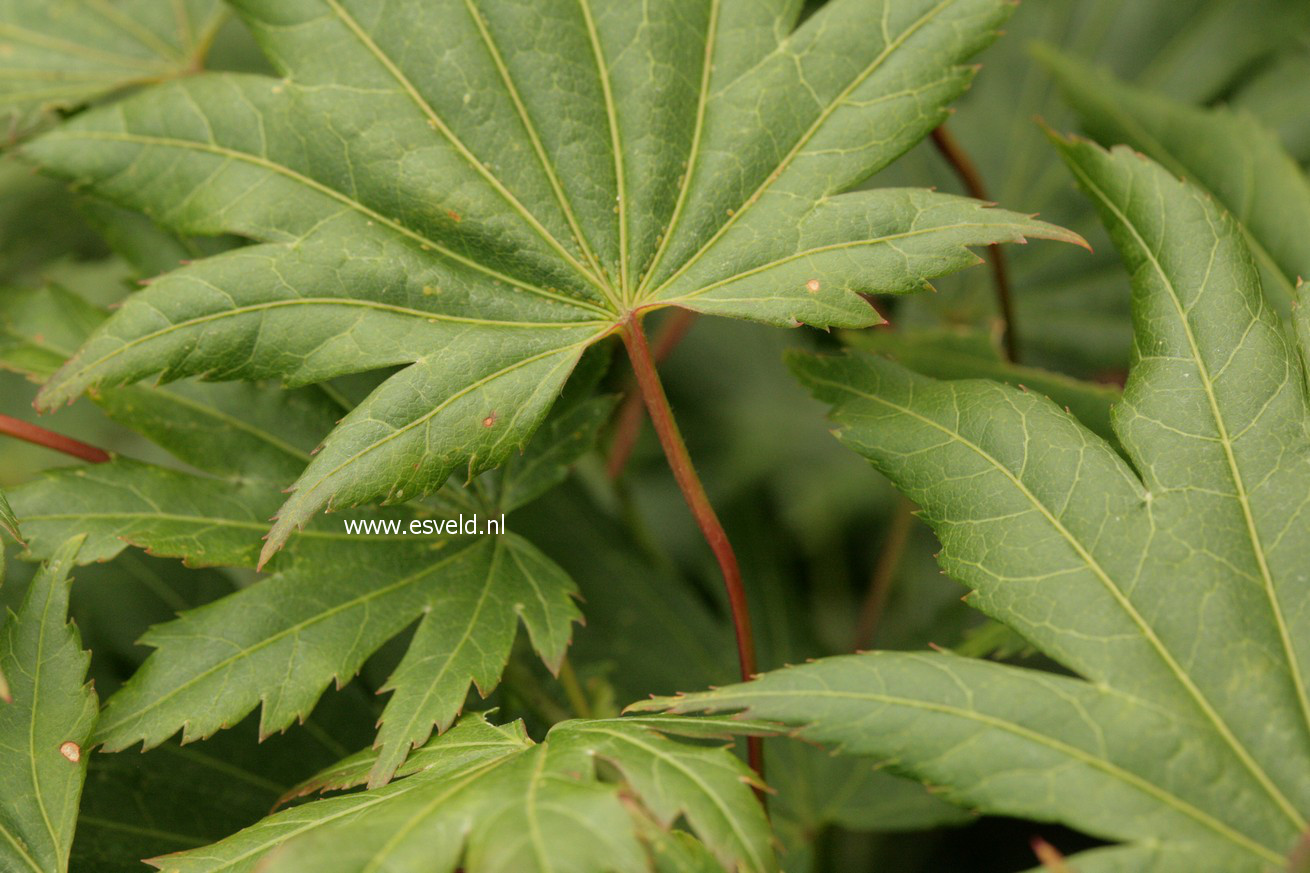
{"points": [[478, 193], [1174, 582]]}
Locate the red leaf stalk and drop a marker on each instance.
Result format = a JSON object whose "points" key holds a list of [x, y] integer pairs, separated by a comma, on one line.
{"points": [[675, 449]]}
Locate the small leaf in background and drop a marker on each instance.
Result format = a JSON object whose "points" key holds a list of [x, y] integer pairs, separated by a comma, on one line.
{"points": [[1072, 310], [177, 797], [466, 634], [59, 54], [40, 222], [1175, 585], [41, 327], [471, 593], [148, 248], [963, 354], [1229, 154], [566, 438], [45, 723], [206, 522], [1276, 95]]}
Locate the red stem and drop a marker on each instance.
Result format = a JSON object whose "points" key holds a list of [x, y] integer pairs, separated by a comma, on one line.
{"points": [[627, 428], [1299, 860], [40, 436], [671, 332], [969, 176], [661, 416], [1050, 857], [632, 413]]}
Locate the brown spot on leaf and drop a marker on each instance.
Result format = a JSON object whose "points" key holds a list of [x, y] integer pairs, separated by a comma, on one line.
{"points": [[72, 751], [454, 216], [489, 420], [813, 286]]}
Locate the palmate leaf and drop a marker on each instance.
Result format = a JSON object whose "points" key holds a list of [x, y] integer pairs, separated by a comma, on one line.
{"points": [[480, 192], [44, 724], [1176, 586], [177, 797], [334, 599], [485, 798], [58, 54], [336, 596]]}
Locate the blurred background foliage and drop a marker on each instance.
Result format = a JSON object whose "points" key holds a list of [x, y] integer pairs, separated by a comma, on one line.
{"points": [[833, 557]]}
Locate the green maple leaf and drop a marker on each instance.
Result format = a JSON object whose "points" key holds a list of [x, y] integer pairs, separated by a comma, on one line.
{"points": [[44, 723], [1173, 582], [59, 54], [479, 193], [486, 798], [335, 598], [179, 797]]}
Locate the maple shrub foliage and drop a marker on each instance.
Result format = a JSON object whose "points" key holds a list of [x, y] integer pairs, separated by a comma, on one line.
{"points": [[351, 302]]}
